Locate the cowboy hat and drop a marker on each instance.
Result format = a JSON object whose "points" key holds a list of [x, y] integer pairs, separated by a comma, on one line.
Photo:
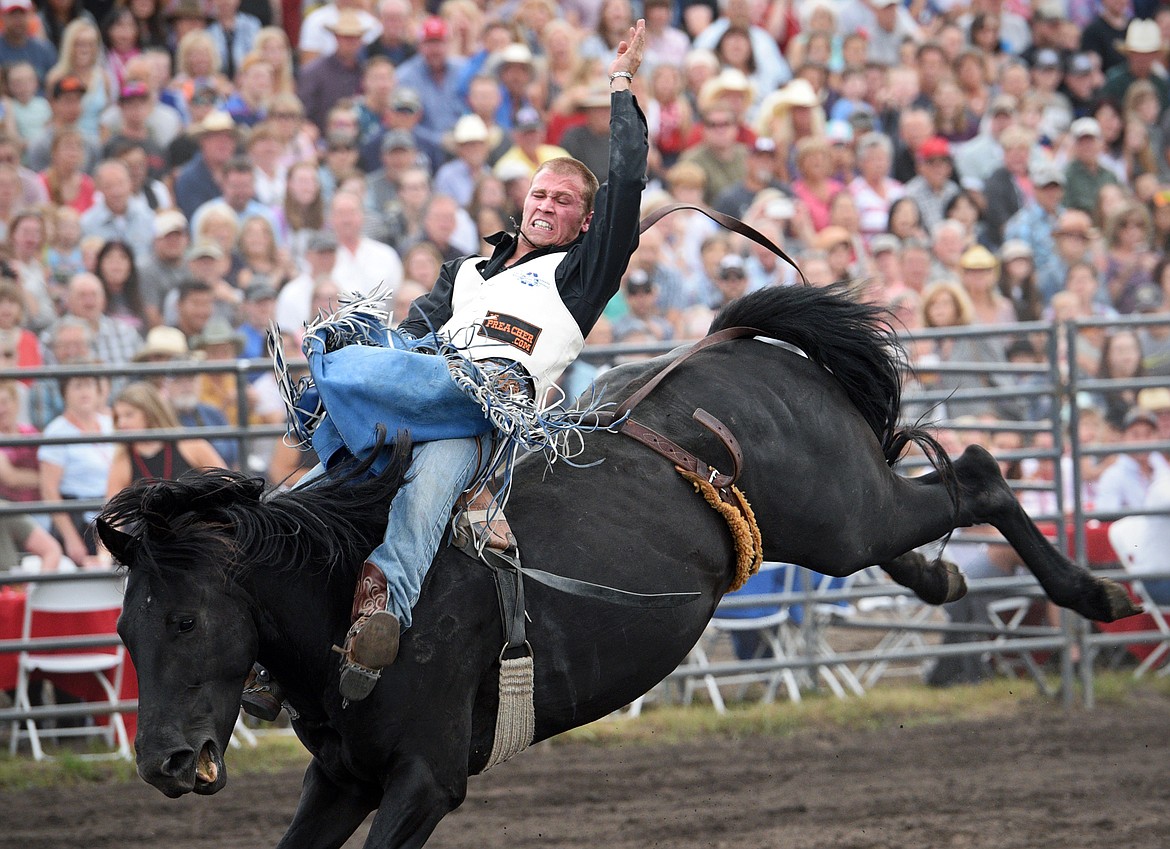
{"points": [[729, 81], [216, 121], [348, 23], [512, 54], [978, 258], [218, 331], [1141, 36], [169, 221], [163, 342], [471, 128], [799, 92]]}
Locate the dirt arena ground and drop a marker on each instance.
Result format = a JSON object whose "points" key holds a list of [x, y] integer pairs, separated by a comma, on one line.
{"points": [[1047, 779]]}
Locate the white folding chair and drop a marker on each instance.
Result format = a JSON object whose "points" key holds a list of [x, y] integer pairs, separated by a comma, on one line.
{"points": [[896, 610], [1007, 615], [105, 664], [840, 679], [1127, 535], [768, 624]]}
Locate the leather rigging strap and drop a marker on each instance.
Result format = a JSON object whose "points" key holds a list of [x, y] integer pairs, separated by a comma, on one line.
{"points": [[620, 419]]}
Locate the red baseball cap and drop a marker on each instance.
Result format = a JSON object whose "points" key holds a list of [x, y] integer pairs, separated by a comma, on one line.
{"points": [[934, 147], [434, 29]]}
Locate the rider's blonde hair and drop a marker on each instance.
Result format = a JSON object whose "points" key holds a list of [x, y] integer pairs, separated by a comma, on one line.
{"points": [[567, 166]]}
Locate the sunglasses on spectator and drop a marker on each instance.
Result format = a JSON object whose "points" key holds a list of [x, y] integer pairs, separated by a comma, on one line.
{"points": [[719, 124]]}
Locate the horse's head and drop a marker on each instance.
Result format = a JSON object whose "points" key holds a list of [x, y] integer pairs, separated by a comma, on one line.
{"points": [[218, 574], [187, 624]]}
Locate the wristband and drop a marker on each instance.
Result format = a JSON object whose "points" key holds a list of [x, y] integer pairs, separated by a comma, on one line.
{"points": [[617, 74]]}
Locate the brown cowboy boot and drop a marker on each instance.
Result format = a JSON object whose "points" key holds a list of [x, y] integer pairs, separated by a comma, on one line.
{"points": [[475, 515], [262, 696], [372, 640]]}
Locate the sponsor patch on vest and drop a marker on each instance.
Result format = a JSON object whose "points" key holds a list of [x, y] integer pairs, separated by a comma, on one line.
{"points": [[510, 330], [531, 278]]}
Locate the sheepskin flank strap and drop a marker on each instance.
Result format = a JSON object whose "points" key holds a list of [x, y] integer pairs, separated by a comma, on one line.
{"points": [[741, 521], [516, 718]]}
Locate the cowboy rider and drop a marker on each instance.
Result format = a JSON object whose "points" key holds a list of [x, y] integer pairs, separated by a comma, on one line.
{"points": [[531, 302]]}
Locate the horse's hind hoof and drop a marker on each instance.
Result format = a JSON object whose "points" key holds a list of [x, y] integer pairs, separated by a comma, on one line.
{"points": [[956, 581], [1117, 603]]}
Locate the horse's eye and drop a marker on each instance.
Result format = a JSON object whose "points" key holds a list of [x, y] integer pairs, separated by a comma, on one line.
{"points": [[187, 623]]}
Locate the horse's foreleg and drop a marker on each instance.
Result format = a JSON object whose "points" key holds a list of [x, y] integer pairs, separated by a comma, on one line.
{"points": [[986, 498], [413, 803], [328, 813], [933, 581]]}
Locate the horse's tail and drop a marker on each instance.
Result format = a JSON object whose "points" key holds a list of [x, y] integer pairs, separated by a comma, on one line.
{"points": [[855, 342]]}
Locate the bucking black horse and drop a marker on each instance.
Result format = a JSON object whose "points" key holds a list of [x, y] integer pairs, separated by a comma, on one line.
{"points": [[222, 574]]}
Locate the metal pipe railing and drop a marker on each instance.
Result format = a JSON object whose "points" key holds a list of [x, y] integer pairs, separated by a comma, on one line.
{"points": [[1059, 382]]}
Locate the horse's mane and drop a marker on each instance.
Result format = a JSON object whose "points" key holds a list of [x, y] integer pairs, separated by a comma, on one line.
{"points": [[220, 520], [856, 342]]}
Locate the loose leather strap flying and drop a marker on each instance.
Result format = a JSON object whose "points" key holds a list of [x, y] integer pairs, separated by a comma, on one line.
{"points": [[724, 220], [634, 400]]}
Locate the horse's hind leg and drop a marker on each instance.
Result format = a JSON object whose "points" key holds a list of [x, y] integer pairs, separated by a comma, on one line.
{"points": [[986, 498], [934, 581]]}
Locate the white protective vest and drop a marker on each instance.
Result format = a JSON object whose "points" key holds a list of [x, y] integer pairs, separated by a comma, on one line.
{"points": [[516, 315]]}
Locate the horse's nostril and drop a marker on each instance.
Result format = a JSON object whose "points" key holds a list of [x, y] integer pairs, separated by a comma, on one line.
{"points": [[179, 763]]}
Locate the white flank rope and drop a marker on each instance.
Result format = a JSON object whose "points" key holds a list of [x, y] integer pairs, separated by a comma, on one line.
{"points": [[516, 718]]}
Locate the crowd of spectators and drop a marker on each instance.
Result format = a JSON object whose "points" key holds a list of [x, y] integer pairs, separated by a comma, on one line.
{"points": [[175, 174]]}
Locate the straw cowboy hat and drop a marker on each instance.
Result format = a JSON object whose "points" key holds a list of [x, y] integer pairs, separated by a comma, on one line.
{"points": [[218, 331], [1155, 399], [799, 92], [1141, 36], [163, 342], [978, 258], [348, 23], [729, 81], [513, 54], [471, 128], [216, 121]]}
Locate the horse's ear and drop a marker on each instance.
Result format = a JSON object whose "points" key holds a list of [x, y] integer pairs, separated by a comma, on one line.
{"points": [[121, 545]]}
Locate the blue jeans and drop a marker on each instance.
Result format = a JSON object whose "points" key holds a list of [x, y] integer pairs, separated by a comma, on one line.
{"points": [[439, 473]]}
